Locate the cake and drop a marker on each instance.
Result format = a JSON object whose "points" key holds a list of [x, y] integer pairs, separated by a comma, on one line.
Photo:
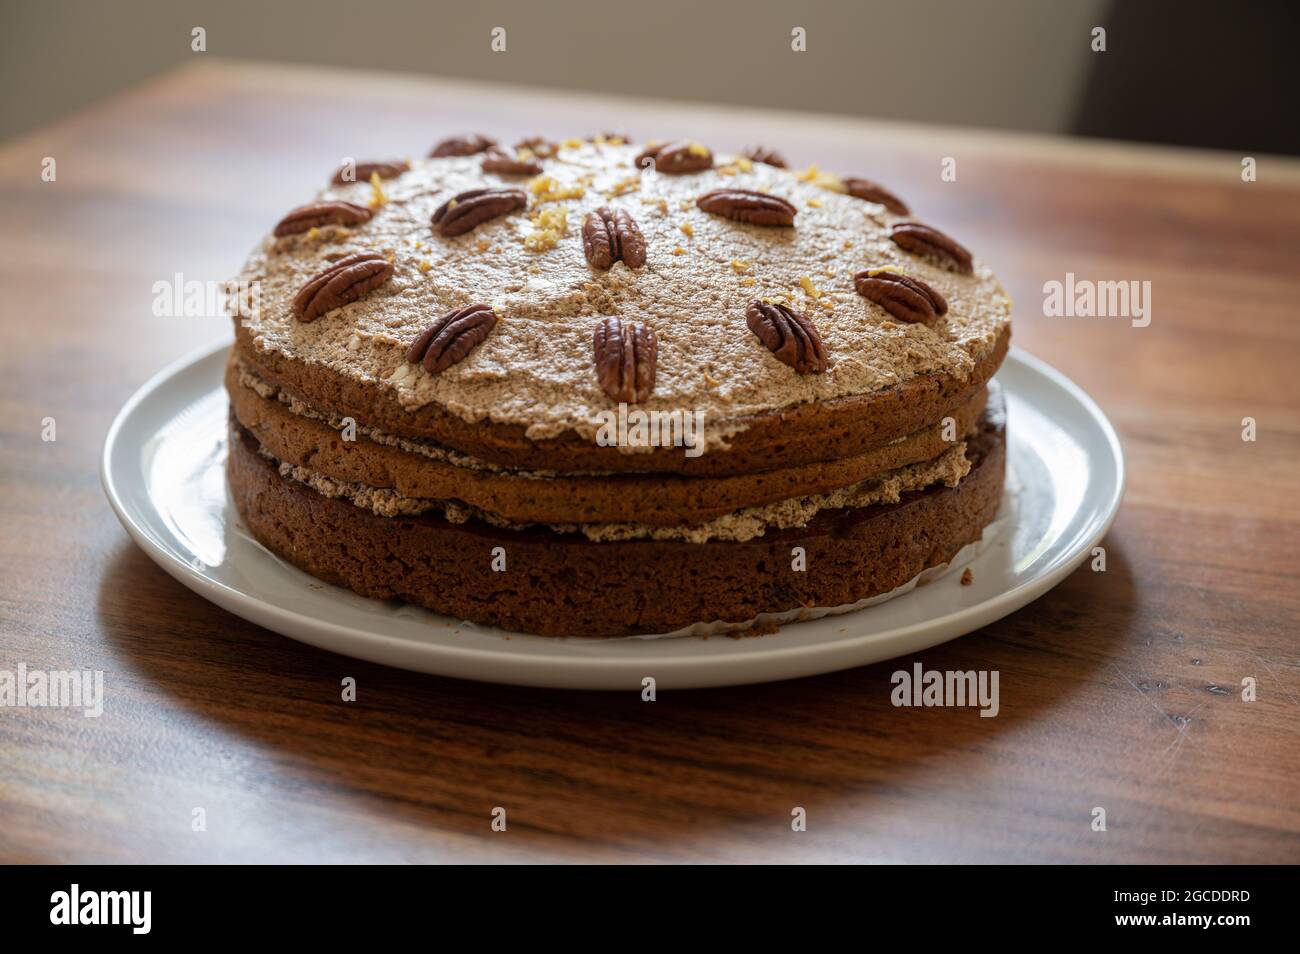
{"points": [[603, 388]]}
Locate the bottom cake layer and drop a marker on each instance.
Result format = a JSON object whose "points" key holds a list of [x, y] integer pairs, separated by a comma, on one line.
{"points": [[562, 584]]}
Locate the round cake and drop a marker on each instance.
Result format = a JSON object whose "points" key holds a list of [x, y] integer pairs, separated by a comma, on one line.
{"points": [[601, 388]]}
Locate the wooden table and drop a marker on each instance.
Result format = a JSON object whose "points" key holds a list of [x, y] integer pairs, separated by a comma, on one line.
{"points": [[1119, 690]]}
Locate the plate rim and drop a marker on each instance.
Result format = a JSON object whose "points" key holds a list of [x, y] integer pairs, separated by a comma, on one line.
{"points": [[530, 669]]}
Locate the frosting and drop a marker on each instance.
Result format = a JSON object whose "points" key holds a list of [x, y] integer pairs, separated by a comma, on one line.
{"points": [[536, 368]]}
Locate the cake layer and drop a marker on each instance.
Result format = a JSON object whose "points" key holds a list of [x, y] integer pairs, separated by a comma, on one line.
{"points": [[565, 584], [798, 434], [302, 437], [526, 394], [745, 524]]}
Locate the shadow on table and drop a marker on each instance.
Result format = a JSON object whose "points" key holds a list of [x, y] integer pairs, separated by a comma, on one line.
{"points": [[596, 774]]}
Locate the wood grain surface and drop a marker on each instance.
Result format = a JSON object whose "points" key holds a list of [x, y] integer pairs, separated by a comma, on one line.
{"points": [[1119, 690]]}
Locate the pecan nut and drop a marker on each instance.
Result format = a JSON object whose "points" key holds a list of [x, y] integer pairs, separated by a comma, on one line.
{"points": [[467, 145], [346, 281], [609, 235], [875, 192], [904, 297], [362, 171], [318, 214], [504, 164], [742, 205], [675, 158], [626, 353], [769, 157], [468, 210], [790, 336], [932, 244], [452, 337]]}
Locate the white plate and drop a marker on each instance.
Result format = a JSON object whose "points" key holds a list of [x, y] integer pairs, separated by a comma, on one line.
{"points": [[163, 471]]}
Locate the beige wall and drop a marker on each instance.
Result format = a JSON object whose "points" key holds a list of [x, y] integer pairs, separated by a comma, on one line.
{"points": [[1016, 64]]}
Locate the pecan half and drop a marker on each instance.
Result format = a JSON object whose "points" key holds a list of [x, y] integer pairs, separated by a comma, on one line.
{"points": [[539, 146], [675, 158], [362, 171], [932, 244], [875, 192], [317, 214], [504, 164], [470, 209], [742, 205], [788, 335], [769, 157], [612, 234], [452, 337], [467, 145], [344, 282], [626, 353], [906, 298]]}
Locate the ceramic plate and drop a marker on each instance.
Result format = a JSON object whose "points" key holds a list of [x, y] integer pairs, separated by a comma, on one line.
{"points": [[163, 471]]}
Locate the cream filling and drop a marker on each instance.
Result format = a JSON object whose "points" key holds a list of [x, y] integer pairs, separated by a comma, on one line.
{"points": [[745, 524]]}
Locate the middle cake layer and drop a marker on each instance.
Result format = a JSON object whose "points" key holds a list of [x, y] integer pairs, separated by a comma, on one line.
{"points": [[303, 437]]}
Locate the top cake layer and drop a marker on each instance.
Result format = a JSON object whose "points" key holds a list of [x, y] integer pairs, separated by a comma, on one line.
{"points": [[535, 374]]}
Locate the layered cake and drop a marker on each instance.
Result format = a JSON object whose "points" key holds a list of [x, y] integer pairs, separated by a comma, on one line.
{"points": [[600, 388]]}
